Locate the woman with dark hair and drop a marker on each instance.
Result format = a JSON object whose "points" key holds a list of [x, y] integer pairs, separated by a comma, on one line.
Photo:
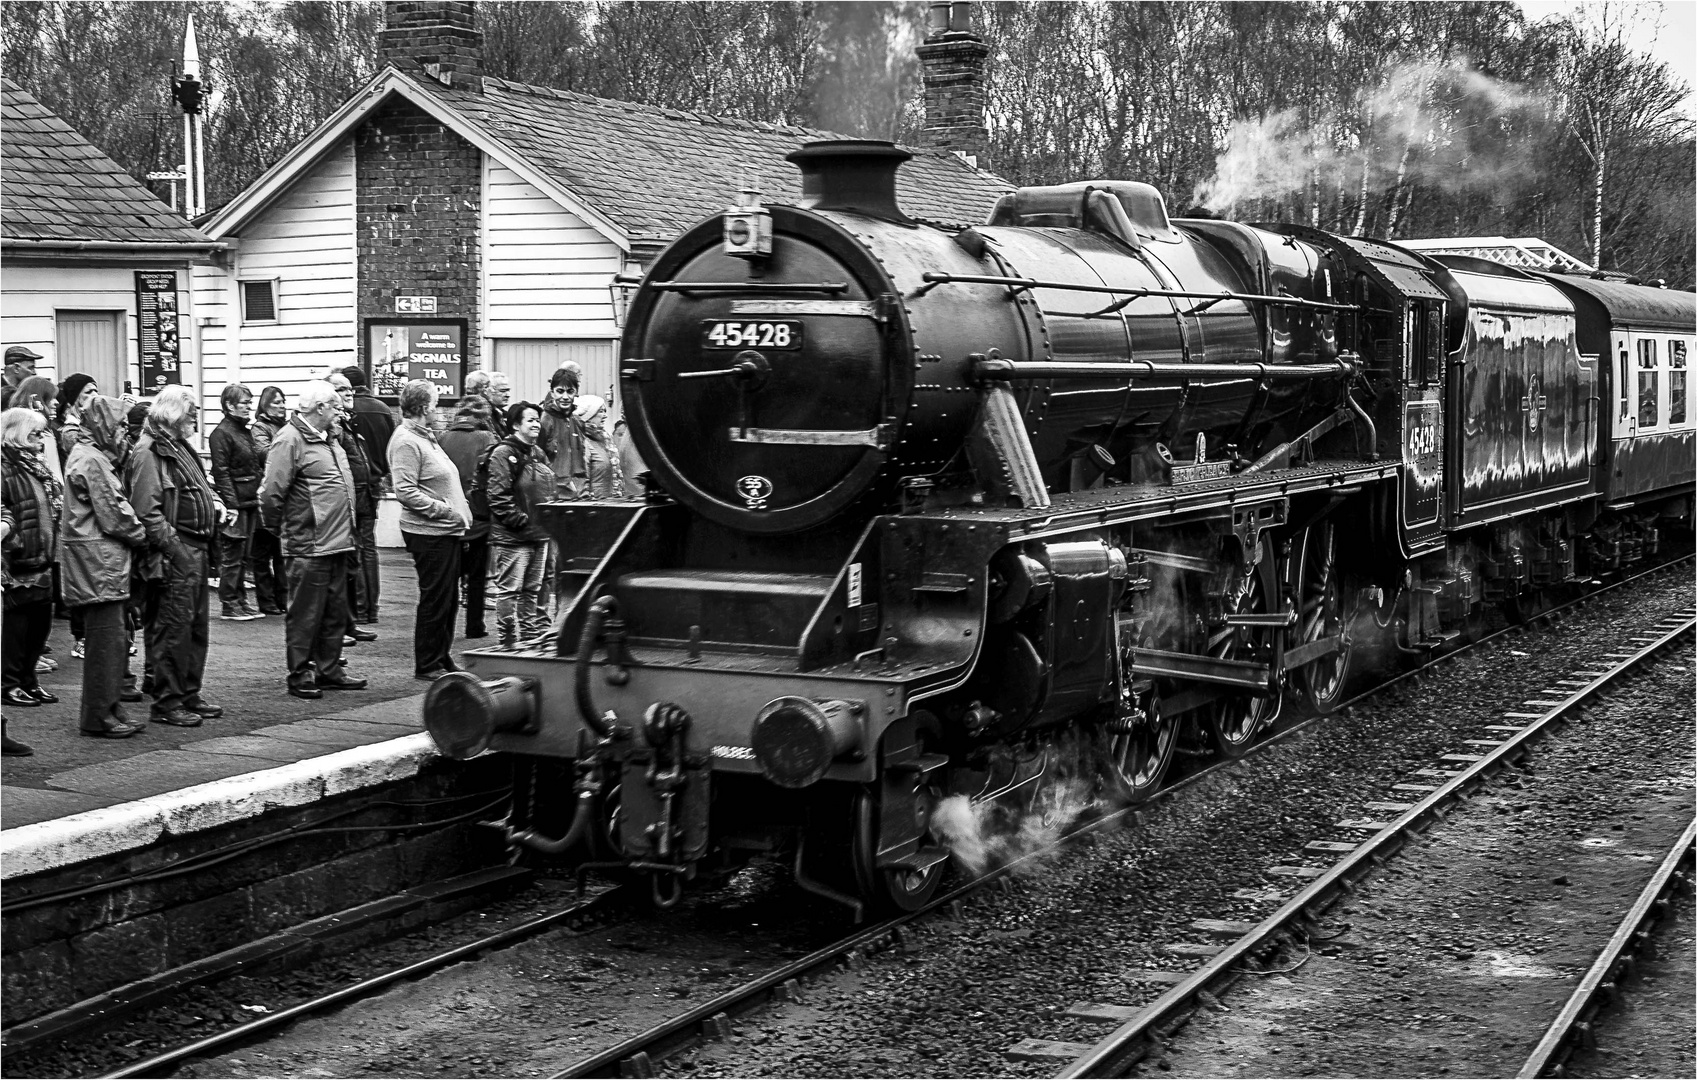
{"points": [[40, 394], [265, 553], [237, 466], [100, 527], [434, 517], [32, 498]]}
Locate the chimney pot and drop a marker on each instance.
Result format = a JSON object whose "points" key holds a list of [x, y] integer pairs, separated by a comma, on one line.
{"points": [[442, 33]]}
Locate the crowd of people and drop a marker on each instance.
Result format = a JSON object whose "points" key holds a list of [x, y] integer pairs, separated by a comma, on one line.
{"points": [[112, 518]]}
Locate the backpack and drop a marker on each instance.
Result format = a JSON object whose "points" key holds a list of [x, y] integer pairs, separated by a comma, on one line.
{"points": [[478, 497]]}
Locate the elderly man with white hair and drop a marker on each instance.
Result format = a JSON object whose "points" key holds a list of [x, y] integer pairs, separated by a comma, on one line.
{"points": [[307, 501]]}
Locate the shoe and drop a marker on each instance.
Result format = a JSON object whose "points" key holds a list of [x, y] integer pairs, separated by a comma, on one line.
{"points": [[43, 696], [77, 650], [430, 676], [252, 612], [177, 717], [13, 748], [116, 731], [237, 613], [478, 632], [344, 683], [349, 641], [270, 609], [132, 648], [303, 691], [131, 696], [46, 664], [20, 697], [362, 635], [211, 712]]}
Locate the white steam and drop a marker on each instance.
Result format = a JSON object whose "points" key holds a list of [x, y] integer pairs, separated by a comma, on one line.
{"points": [[985, 835]]}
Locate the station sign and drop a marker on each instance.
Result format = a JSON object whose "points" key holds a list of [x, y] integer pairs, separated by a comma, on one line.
{"points": [[158, 330], [398, 350]]}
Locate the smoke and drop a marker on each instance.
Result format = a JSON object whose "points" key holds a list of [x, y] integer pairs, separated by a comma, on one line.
{"points": [[1441, 125], [990, 834]]}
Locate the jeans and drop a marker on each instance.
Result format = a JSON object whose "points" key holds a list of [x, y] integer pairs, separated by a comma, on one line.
{"points": [[234, 549], [104, 664], [177, 636], [27, 623], [316, 618], [474, 571], [270, 580], [437, 560], [363, 587], [516, 582]]}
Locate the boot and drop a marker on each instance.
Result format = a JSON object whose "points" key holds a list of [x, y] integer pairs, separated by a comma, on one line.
{"points": [[12, 747]]}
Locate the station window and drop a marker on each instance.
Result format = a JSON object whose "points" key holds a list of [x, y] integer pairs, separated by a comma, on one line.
{"points": [[1677, 387], [259, 301], [1649, 403]]}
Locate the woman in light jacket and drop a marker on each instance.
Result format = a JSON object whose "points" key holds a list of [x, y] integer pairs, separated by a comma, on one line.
{"points": [[98, 529], [434, 520]]}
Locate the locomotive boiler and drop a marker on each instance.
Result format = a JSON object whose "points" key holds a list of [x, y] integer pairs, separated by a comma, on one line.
{"points": [[927, 502]]}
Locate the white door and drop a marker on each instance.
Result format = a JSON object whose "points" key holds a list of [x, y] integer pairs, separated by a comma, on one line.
{"points": [[92, 342], [531, 362]]}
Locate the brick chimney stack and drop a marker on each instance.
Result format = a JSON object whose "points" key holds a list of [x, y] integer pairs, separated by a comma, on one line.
{"points": [[440, 34], [952, 58]]}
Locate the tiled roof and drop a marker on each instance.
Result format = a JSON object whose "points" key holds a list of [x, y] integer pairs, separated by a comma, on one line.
{"points": [[54, 185], [655, 172]]}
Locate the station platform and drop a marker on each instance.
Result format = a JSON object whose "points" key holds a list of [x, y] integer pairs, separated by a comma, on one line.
{"points": [[78, 797]]}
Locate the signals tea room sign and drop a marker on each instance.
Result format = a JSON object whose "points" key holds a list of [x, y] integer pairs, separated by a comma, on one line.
{"points": [[397, 350]]}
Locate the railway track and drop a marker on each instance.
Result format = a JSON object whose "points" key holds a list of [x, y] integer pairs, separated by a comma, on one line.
{"points": [[1302, 917], [641, 1054]]}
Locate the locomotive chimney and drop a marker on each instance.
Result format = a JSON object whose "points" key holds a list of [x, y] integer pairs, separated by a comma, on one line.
{"points": [[851, 174], [952, 58], [440, 34]]}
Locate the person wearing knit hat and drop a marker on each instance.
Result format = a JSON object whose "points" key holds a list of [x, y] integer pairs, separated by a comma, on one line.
{"points": [[74, 393], [591, 416]]}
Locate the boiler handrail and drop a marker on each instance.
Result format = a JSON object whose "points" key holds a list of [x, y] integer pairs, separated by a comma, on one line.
{"points": [[933, 278], [1004, 370]]}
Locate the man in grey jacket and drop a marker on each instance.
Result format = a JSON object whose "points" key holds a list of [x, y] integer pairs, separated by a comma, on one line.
{"points": [[307, 501]]}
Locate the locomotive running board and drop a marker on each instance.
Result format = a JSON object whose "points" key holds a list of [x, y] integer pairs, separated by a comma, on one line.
{"points": [[1243, 674]]}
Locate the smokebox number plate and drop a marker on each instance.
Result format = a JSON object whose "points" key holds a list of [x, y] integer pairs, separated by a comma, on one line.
{"points": [[750, 334]]}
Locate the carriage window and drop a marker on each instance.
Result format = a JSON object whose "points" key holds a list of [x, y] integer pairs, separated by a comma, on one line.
{"points": [[1649, 410], [1625, 379], [1676, 382]]}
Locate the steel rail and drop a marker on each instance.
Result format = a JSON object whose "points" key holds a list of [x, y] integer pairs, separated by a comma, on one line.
{"points": [[161, 1064], [636, 1055], [1130, 1041], [1572, 1026]]}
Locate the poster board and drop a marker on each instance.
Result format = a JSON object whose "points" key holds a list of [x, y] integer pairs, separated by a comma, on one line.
{"points": [[158, 330], [400, 349]]}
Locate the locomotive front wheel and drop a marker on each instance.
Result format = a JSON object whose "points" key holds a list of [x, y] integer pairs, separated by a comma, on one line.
{"points": [[888, 890], [1138, 759], [1321, 615], [1236, 719]]}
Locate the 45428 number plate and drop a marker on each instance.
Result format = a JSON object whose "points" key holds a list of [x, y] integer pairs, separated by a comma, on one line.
{"points": [[750, 334]]}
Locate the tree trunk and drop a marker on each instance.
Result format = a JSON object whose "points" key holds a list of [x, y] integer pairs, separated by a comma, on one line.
{"points": [[1597, 210]]}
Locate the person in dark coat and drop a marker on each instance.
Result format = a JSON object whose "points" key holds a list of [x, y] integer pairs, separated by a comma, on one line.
{"points": [[374, 420], [363, 580], [32, 497], [465, 441], [265, 566], [171, 494], [517, 479], [236, 467], [99, 530]]}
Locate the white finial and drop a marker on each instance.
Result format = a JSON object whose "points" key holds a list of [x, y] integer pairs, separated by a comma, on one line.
{"points": [[191, 51]]}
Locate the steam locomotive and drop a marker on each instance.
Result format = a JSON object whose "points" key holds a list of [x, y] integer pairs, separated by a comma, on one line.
{"points": [[925, 502]]}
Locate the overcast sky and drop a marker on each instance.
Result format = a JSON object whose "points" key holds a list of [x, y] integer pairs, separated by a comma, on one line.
{"points": [[1667, 31]]}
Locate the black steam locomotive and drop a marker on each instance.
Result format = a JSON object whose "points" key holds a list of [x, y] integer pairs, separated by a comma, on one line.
{"points": [[924, 501]]}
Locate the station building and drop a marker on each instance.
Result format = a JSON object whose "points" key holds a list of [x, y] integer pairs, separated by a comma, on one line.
{"points": [[94, 268], [443, 220]]}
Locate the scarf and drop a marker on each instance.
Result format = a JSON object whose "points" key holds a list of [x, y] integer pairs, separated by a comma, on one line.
{"points": [[31, 462], [421, 428]]}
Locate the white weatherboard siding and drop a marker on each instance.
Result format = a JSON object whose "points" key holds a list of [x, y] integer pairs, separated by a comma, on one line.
{"points": [[545, 272], [304, 241], [34, 293]]}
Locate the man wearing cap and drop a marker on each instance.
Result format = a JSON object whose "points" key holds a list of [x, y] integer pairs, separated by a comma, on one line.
{"points": [[20, 365]]}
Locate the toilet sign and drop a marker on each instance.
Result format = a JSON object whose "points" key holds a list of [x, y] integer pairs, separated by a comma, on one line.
{"points": [[398, 350]]}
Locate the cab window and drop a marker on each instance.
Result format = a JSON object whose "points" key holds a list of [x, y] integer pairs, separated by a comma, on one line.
{"points": [[1624, 382], [1649, 401], [1676, 382]]}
